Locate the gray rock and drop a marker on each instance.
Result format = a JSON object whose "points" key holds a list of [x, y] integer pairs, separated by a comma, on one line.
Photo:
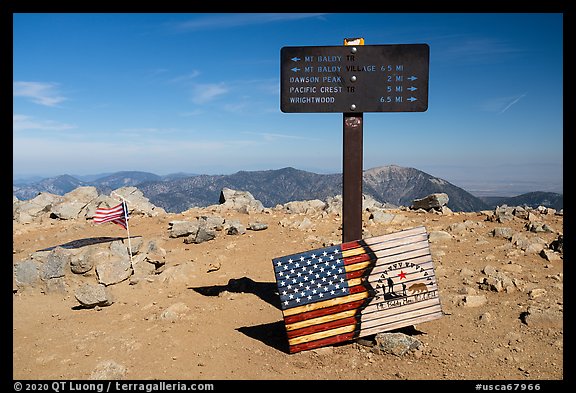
{"points": [[92, 295], [520, 212], [558, 244], [503, 213], [543, 318], [439, 236], [241, 201], [120, 248], [257, 226], [204, 235], [68, 210], [137, 202], [211, 222], [175, 311], [27, 273], [538, 227], [180, 228], [473, 301], [550, 255], [108, 370], [81, 263], [396, 343], [56, 263], [234, 227], [497, 281], [503, 232], [307, 207], [382, 217], [432, 201], [113, 270], [35, 208]]}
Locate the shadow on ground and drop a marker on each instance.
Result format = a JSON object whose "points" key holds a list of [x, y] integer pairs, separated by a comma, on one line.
{"points": [[86, 242], [272, 334], [267, 291]]}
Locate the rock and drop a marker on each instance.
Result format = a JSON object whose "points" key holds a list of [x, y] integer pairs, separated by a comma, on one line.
{"points": [[257, 226], [473, 300], [549, 255], [36, 208], [92, 295], [27, 273], [211, 222], [543, 318], [504, 232], [114, 270], [108, 370], [179, 228], [175, 311], [497, 281], [396, 343], [241, 201], [536, 292], [55, 265], [432, 201], [68, 210], [538, 227], [439, 236], [458, 228], [178, 274], [503, 213], [382, 217], [234, 227], [558, 244], [204, 235], [81, 263], [306, 207]]}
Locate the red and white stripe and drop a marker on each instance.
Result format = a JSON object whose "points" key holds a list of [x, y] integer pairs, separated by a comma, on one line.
{"points": [[117, 214]]}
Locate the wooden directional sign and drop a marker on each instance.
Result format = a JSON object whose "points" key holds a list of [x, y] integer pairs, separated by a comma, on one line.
{"points": [[363, 78], [358, 288]]}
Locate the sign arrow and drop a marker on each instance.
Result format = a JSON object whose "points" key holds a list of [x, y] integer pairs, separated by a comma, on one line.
{"points": [[412, 78], [295, 69], [411, 99], [295, 59], [412, 88]]}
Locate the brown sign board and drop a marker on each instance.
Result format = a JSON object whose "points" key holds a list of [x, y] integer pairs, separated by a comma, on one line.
{"points": [[356, 289], [363, 78]]}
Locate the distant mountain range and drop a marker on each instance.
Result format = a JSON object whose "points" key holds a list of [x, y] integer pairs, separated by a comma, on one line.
{"points": [[387, 184]]}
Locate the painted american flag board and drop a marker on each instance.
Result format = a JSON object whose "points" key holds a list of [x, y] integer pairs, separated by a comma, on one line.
{"points": [[356, 289]]}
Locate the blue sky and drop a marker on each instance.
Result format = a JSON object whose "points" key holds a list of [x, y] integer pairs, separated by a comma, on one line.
{"points": [[200, 93]]}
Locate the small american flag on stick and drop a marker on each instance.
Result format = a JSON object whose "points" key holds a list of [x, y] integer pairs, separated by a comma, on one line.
{"points": [[355, 289], [117, 214]]}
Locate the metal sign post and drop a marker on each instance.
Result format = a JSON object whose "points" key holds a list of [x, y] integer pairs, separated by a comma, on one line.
{"points": [[352, 147], [353, 79]]}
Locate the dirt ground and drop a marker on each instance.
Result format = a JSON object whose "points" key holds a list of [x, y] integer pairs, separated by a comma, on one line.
{"points": [[219, 329]]}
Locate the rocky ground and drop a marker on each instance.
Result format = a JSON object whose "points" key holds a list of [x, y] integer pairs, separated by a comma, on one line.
{"points": [[209, 310]]}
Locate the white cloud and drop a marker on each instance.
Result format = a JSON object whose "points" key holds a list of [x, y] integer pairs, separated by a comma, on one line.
{"points": [[23, 122], [211, 22], [480, 51], [501, 104], [185, 78], [203, 93], [41, 93], [512, 102]]}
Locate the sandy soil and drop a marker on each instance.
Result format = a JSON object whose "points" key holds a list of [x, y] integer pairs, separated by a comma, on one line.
{"points": [[219, 331]]}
